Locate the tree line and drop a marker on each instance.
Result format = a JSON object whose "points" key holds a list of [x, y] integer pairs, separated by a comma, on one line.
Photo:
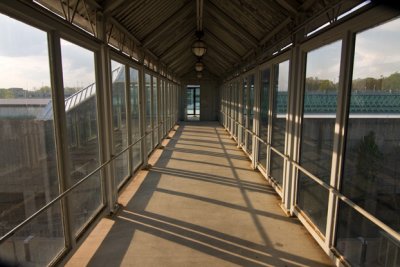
{"points": [[390, 83], [42, 92]]}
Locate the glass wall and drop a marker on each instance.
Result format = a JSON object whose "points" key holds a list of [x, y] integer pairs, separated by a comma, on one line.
{"points": [[279, 113], [155, 111], [264, 106], [244, 111], [250, 116], [81, 105], [371, 175], [237, 114], [318, 130], [356, 154], [135, 117], [148, 112], [120, 130], [42, 154], [161, 106], [28, 169]]}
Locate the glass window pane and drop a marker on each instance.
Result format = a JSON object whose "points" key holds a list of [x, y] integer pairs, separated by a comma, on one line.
{"points": [[135, 117], [371, 176], [190, 101], [281, 83], [264, 105], [237, 126], [250, 115], [155, 111], [318, 129], [244, 110], [28, 163], [37, 243], [161, 111], [148, 113], [79, 82], [197, 101], [362, 243], [120, 131]]}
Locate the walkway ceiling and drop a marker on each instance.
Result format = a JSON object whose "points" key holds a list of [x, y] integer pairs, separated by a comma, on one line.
{"points": [[235, 31]]}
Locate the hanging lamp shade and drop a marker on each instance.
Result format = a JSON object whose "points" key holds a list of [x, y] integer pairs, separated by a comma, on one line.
{"points": [[199, 74], [199, 48], [199, 66]]}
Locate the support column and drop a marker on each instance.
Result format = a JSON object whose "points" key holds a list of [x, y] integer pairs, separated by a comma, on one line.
{"points": [[60, 126], [293, 125], [142, 102], [105, 117]]}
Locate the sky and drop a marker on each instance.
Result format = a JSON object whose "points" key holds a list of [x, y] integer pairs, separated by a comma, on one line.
{"points": [[24, 57], [24, 60]]}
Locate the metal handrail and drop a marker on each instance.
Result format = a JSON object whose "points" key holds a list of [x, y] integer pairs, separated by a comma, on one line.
{"points": [[328, 187], [66, 192]]}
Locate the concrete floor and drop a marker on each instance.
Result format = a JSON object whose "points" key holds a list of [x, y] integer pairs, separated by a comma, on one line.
{"points": [[199, 205]]}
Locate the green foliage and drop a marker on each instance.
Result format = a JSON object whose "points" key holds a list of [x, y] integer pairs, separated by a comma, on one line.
{"points": [[390, 83], [369, 158], [42, 92], [6, 93], [317, 85]]}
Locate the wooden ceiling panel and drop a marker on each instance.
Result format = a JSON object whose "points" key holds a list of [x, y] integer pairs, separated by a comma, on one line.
{"points": [[233, 29]]}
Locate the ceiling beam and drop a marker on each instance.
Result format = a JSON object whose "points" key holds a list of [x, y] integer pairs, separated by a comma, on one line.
{"points": [[175, 53], [177, 43], [288, 6], [110, 5], [223, 44], [217, 58], [131, 36], [183, 67], [307, 5], [275, 30], [225, 34], [220, 14], [215, 53], [157, 31], [216, 68], [178, 60]]}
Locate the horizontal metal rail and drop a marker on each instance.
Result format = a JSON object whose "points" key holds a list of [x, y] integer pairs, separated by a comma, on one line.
{"points": [[328, 187], [66, 192]]}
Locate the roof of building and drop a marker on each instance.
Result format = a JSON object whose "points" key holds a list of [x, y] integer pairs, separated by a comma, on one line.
{"points": [[24, 101]]}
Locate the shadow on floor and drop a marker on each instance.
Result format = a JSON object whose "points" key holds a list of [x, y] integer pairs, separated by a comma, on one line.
{"points": [[135, 217]]}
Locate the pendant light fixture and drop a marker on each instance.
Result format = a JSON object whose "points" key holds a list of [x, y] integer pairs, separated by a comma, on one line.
{"points": [[199, 66], [199, 47]]}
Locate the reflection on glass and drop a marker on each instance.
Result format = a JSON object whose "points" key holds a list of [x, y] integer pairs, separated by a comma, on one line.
{"points": [[135, 117], [37, 243], [197, 101], [237, 126], [166, 104], [250, 115], [148, 113], [28, 166], [264, 104], [164, 100], [318, 128], [313, 201], [244, 110], [371, 176], [281, 82], [161, 112], [193, 103], [120, 131], [362, 243], [155, 111], [80, 108]]}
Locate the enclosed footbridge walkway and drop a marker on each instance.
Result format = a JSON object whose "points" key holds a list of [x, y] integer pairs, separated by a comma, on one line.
{"points": [[199, 204]]}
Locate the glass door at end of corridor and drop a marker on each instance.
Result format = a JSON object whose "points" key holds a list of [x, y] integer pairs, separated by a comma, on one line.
{"points": [[193, 103]]}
